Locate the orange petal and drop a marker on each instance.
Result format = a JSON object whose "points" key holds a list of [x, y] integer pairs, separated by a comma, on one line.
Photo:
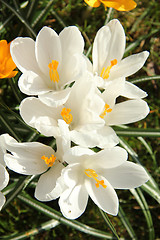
{"points": [[93, 3], [12, 74], [4, 50], [120, 5]]}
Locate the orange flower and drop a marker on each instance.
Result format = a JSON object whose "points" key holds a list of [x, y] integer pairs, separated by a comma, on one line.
{"points": [[6, 63], [120, 5]]}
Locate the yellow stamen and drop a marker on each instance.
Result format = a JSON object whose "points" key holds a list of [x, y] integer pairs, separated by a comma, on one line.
{"points": [[67, 116], [92, 174], [53, 73], [49, 161], [106, 71], [107, 109]]}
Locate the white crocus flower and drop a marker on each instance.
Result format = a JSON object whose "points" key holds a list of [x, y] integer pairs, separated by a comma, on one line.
{"points": [[97, 175], [81, 113], [108, 65], [32, 158], [4, 176], [49, 63]]}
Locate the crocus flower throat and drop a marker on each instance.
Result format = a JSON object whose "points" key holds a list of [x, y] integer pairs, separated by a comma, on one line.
{"points": [[92, 174], [107, 109], [53, 73], [67, 116], [106, 71], [49, 161]]}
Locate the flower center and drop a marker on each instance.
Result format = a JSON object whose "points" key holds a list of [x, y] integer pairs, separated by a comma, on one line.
{"points": [[92, 174], [67, 116], [53, 73], [49, 161], [107, 109], [106, 71]]}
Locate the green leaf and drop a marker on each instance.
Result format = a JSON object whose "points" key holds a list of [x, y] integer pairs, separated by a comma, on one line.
{"points": [[108, 222], [43, 227], [144, 79], [136, 132], [127, 224], [48, 211], [144, 206]]}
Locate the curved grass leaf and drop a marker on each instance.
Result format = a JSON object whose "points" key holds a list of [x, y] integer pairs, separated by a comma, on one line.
{"points": [[20, 185], [109, 224], [136, 132], [127, 224], [48, 211], [144, 79], [144, 206], [43, 227]]}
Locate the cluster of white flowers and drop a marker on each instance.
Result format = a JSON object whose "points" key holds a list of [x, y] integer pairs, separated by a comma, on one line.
{"points": [[76, 102]]}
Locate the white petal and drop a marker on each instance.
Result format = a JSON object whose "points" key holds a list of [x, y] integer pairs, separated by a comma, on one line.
{"points": [[47, 126], [71, 41], [101, 48], [85, 104], [103, 137], [63, 142], [108, 158], [117, 41], [2, 200], [106, 137], [23, 54], [73, 201], [129, 65], [38, 110], [48, 188], [55, 98], [73, 66], [128, 175], [132, 91], [77, 154], [25, 158], [48, 48], [4, 177], [89, 64], [3, 147], [32, 84], [113, 89], [104, 198], [127, 112], [72, 175]]}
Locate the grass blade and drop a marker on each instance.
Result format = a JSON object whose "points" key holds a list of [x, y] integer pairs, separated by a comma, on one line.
{"points": [[144, 206], [127, 224], [41, 207]]}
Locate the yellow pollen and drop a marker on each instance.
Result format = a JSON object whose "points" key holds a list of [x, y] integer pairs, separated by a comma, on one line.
{"points": [[106, 71], [53, 73], [92, 174], [107, 109], [67, 116], [49, 161]]}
